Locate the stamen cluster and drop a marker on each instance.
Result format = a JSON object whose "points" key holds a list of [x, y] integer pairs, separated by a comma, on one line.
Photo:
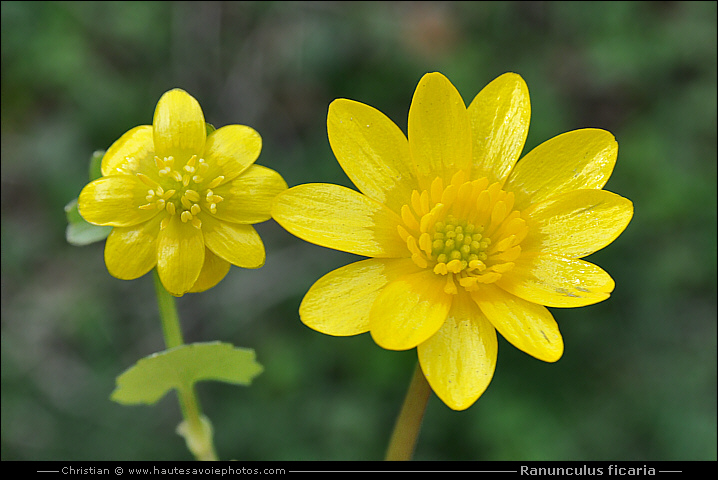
{"points": [[180, 193], [466, 231]]}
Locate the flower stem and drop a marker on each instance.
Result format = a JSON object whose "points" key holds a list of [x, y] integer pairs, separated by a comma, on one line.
{"points": [[408, 423], [168, 315], [195, 428]]}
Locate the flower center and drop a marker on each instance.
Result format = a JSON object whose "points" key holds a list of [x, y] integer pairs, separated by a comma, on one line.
{"points": [[182, 191], [466, 231]]}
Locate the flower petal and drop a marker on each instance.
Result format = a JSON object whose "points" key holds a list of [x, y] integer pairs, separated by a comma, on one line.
{"points": [[576, 223], [339, 303], [230, 150], [133, 152], [500, 116], [527, 326], [373, 152], [340, 218], [439, 130], [409, 310], [130, 252], [581, 159], [180, 255], [115, 201], [248, 198], [556, 281], [459, 360], [213, 271], [178, 126], [238, 244]]}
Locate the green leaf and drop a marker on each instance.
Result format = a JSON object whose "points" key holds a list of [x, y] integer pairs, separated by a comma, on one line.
{"points": [[78, 231], [96, 164], [152, 377]]}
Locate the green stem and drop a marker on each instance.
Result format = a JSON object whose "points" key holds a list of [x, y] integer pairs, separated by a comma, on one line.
{"points": [[168, 315], [408, 423], [196, 428]]}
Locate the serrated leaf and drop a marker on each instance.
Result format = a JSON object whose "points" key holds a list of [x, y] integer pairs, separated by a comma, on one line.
{"points": [[152, 377], [78, 231]]}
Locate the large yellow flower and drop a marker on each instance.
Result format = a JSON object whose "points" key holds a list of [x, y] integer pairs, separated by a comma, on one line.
{"points": [[464, 240], [181, 199]]}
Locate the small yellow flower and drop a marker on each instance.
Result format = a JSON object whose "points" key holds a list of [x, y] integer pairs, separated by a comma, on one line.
{"points": [[181, 199], [464, 240]]}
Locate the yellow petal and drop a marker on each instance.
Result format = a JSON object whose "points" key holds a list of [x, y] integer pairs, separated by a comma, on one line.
{"points": [[500, 116], [248, 198], [130, 252], [115, 201], [409, 310], [373, 152], [213, 271], [339, 302], [527, 326], [556, 281], [576, 223], [178, 126], [581, 159], [230, 150], [133, 152], [439, 130], [238, 244], [340, 218], [459, 360], [180, 255]]}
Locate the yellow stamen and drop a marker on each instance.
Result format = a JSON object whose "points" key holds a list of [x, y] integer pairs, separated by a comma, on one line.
{"points": [[409, 219], [147, 180], [440, 269], [215, 183], [192, 195], [186, 202], [450, 286], [402, 232], [466, 231], [416, 201], [424, 200]]}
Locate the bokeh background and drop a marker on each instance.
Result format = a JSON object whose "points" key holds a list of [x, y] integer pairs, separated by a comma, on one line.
{"points": [[638, 377]]}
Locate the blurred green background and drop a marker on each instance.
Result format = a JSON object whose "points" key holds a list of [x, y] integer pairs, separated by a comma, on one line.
{"points": [[638, 377]]}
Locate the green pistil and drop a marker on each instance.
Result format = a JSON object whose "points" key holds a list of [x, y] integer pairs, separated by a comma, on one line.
{"points": [[458, 240]]}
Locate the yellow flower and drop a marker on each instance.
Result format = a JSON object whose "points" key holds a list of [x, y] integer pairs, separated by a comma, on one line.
{"points": [[464, 241], [182, 199]]}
